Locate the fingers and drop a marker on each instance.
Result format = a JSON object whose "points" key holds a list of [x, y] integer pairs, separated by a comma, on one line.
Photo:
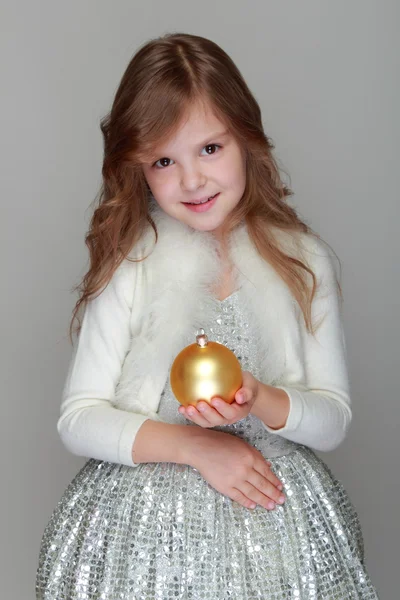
{"points": [[240, 396], [264, 469], [240, 498], [226, 410], [208, 416], [197, 417], [260, 487], [261, 490], [249, 495]]}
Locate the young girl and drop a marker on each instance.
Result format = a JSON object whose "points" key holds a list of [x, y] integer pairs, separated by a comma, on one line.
{"points": [[193, 231]]}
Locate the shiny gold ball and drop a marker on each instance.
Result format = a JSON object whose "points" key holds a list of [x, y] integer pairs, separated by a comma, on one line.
{"points": [[204, 370]]}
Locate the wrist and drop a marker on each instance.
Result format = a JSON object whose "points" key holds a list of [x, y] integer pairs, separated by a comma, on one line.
{"points": [[272, 406], [157, 441], [194, 439]]}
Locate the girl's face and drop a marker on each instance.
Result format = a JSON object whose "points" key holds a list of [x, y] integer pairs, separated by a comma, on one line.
{"points": [[201, 160]]}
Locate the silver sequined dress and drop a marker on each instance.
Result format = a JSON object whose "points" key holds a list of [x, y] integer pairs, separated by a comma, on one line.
{"points": [[159, 531]]}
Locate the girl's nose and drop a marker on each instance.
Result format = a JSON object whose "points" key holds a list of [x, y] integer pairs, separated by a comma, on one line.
{"points": [[192, 179]]}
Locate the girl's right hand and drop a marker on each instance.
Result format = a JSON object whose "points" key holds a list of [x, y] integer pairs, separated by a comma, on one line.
{"points": [[235, 468]]}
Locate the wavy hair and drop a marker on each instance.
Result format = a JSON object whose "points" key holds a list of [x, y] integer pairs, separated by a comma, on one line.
{"points": [[160, 83]]}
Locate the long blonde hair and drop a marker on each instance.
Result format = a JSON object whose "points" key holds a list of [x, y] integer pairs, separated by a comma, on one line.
{"points": [[162, 80]]}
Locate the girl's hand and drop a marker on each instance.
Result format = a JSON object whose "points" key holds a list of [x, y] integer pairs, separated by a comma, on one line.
{"points": [[222, 413], [235, 468]]}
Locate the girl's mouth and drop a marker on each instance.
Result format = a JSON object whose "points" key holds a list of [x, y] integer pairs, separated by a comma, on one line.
{"points": [[202, 207]]}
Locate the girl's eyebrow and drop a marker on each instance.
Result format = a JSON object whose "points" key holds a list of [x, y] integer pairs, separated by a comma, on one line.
{"points": [[219, 134]]}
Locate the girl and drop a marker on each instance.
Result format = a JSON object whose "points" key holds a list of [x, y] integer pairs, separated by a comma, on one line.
{"points": [[193, 230]]}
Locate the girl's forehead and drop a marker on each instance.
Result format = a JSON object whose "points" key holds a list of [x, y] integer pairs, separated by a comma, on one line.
{"points": [[195, 128], [201, 115]]}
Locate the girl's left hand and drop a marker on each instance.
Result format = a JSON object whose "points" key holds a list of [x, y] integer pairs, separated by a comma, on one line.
{"points": [[222, 413]]}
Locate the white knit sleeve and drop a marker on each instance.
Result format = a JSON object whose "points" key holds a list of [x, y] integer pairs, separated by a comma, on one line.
{"points": [[320, 405], [89, 424]]}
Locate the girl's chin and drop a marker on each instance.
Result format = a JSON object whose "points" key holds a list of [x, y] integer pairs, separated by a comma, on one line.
{"points": [[213, 228]]}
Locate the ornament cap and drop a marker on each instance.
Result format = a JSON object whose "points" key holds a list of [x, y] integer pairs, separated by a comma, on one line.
{"points": [[201, 338]]}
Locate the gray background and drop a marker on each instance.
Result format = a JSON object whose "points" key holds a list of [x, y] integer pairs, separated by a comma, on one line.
{"points": [[324, 74]]}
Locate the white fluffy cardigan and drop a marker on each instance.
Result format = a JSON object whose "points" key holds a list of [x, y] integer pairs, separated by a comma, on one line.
{"points": [[132, 331]]}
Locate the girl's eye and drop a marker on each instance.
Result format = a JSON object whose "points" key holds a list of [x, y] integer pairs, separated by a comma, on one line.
{"points": [[211, 146], [161, 163]]}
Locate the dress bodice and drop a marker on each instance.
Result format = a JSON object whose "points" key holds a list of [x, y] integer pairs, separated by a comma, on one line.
{"points": [[231, 328]]}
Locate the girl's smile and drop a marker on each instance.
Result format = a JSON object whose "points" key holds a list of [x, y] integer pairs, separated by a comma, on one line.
{"points": [[202, 205]]}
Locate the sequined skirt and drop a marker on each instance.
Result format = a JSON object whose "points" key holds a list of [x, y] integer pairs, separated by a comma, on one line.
{"points": [[159, 531]]}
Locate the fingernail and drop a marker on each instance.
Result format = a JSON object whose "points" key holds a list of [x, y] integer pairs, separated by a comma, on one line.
{"points": [[280, 487], [271, 505], [281, 499]]}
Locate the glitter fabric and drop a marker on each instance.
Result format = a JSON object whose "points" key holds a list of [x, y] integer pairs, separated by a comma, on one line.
{"points": [[159, 531]]}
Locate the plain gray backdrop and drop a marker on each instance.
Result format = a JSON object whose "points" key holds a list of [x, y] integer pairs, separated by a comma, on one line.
{"points": [[326, 77]]}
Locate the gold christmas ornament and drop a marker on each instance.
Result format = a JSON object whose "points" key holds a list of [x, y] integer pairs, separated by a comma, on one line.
{"points": [[204, 370]]}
